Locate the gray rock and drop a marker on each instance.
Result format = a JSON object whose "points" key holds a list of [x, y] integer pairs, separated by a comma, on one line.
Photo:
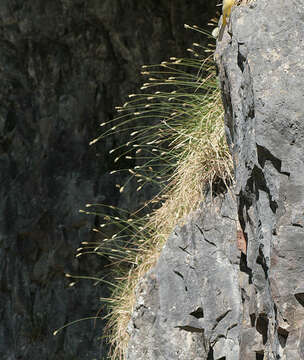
{"points": [[206, 299], [189, 306], [261, 69]]}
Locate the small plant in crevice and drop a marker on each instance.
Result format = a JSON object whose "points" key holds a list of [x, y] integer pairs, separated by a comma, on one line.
{"points": [[177, 143]]}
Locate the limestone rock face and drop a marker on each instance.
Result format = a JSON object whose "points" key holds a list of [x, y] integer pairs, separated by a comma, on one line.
{"points": [[64, 66], [211, 298], [261, 72], [189, 306]]}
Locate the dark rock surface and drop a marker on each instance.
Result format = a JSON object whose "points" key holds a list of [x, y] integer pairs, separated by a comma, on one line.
{"points": [[64, 66], [256, 290]]}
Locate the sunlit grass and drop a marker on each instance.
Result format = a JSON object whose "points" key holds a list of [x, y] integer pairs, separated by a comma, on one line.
{"points": [[176, 136]]}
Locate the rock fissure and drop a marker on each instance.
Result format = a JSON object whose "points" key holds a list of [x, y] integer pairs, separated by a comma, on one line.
{"points": [[204, 237], [198, 313], [191, 329]]}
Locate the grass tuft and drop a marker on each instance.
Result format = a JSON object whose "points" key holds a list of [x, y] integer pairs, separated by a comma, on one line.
{"points": [[177, 139]]}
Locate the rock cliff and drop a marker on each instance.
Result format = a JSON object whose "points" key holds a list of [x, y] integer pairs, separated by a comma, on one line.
{"points": [[64, 66], [229, 284]]}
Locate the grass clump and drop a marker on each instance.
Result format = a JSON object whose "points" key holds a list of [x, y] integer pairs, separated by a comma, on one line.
{"points": [[177, 142]]}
